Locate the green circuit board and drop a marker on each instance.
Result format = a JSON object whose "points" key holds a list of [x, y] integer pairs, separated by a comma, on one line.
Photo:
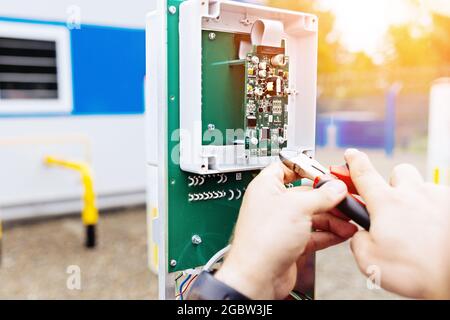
{"points": [[204, 206], [266, 101]]}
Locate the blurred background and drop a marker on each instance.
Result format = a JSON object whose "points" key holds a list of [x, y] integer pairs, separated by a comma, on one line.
{"points": [[377, 62], [72, 101]]}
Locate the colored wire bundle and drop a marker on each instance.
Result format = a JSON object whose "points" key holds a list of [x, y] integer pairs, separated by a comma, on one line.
{"points": [[189, 279]]}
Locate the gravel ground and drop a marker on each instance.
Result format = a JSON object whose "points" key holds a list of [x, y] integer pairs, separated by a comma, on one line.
{"points": [[36, 256]]}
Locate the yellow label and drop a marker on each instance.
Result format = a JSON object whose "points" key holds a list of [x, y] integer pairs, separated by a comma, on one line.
{"points": [[436, 176], [154, 250]]}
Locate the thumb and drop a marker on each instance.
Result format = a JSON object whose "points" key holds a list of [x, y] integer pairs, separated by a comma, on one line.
{"points": [[369, 183], [321, 200]]}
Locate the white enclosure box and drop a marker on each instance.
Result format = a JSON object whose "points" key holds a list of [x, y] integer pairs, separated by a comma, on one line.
{"points": [[298, 30]]}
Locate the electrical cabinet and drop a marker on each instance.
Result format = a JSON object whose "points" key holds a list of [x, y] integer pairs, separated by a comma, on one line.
{"points": [[229, 85]]}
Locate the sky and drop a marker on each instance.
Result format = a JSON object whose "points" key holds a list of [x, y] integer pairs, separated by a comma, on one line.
{"points": [[361, 25]]}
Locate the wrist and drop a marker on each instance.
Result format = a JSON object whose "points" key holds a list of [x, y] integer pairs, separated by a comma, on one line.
{"points": [[251, 284]]}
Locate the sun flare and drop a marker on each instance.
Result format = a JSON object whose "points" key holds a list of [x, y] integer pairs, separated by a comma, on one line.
{"points": [[362, 24]]}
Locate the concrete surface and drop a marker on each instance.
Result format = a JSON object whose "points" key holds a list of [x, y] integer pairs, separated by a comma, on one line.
{"points": [[36, 256]]}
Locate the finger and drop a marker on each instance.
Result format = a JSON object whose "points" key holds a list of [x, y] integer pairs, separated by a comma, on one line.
{"points": [[279, 172], [319, 200], [340, 215], [405, 175], [289, 175], [321, 240], [369, 183], [331, 223], [364, 250], [300, 189]]}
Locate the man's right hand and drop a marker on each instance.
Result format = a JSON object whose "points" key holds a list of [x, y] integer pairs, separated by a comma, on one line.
{"points": [[409, 240]]}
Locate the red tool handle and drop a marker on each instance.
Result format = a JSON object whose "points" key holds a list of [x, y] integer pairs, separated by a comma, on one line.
{"points": [[343, 174], [351, 207]]}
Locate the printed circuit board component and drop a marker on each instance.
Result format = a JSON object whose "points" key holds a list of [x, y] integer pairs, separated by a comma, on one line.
{"points": [[266, 101]]}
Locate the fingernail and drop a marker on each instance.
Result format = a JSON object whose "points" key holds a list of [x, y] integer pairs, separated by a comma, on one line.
{"points": [[350, 151], [337, 186]]}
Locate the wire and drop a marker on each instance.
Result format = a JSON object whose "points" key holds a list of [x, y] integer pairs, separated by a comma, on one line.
{"points": [[189, 283], [215, 258], [178, 278], [187, 287], [302, 295], [295, 295], [182, 285]]}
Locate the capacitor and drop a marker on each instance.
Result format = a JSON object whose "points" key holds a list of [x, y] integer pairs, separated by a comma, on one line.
{"points": [[262, 73], [255, 59], [263, 66], [279, 60], [278, 85], [259, 91], [254, 141]]}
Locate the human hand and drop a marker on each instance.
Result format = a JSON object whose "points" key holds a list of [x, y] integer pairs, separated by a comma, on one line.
{"points": [[274, 230], [408, 241]]}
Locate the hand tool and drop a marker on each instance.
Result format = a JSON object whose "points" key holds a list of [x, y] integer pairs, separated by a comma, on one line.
{"points": [[311, 169]]}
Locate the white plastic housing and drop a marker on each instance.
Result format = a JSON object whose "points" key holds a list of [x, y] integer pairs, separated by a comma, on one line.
{"points": [[439, 133], [300, 35]]}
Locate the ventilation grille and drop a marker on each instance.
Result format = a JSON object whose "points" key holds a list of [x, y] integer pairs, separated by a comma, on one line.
{"points": [[28, 69]]}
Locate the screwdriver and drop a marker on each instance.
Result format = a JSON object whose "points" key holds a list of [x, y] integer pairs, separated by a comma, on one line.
{"points": [[311, 169]]}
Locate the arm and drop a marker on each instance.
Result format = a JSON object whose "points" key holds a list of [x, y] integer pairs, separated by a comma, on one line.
{"points": [[409, 236]]}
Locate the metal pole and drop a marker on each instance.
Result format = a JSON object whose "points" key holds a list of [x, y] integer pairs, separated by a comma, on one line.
{"points": [[390, 118]]}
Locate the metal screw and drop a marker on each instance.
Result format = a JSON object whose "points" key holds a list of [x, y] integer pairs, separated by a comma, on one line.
{"points": [[196, 239], [212, 36], [173, 263], [211, 127], [172, 98], [172, 9]]}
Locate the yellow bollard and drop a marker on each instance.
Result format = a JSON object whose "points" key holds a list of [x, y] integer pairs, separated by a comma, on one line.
{"points": [[89, 214]]}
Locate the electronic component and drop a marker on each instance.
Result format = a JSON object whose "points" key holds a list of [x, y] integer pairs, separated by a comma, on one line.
{"points": [[265, 132], [251, 122], [277, 106], [279, 60], [266, 100]]}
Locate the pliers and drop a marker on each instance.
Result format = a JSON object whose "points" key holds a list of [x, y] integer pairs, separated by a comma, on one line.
{"points": [[311, 169]]}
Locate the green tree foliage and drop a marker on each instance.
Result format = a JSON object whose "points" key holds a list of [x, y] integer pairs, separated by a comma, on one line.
{"points": [[329, 50], [409, 45], [415, 47]]}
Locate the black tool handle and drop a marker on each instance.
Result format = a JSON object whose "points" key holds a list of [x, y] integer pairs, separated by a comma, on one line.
{"points": [[350, 207]]}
